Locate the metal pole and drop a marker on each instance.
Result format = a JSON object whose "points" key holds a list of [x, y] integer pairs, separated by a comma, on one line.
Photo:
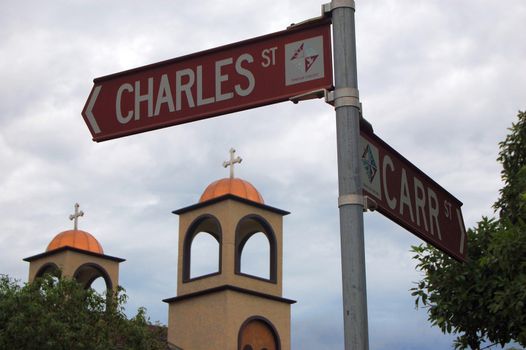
{"points": [[350, 201]]}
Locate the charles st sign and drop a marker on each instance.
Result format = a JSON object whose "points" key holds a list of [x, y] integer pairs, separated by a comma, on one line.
{"points": [[406, 195], [247, 74]]}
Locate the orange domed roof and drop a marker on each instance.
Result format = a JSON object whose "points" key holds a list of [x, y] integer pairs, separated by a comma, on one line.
{"points": [[76, 239], [234, 186]]}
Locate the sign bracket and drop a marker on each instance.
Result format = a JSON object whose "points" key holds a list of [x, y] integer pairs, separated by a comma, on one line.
{"points": [[344, 97], [326, 10], [356, 199], [350, 199], [310, 95], [308, 21], [336, 98], [334, 4]]}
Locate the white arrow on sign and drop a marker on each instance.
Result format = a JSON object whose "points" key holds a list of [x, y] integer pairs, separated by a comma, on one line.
{"points": [[89, 110]]}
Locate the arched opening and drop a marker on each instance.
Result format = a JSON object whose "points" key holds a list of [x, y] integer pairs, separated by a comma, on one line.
{"points": [[49, 269], [258, 333], [205, 255], [99, 286], [88, 273], [202, 248], [255, 256], [256, 249]]}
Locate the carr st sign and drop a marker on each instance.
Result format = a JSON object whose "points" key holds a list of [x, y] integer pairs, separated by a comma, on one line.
{"points": [[406, 195], [247, 74]]}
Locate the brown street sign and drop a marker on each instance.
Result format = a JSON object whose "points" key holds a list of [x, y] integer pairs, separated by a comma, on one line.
{"points": [[251, 73], [406, 195]]}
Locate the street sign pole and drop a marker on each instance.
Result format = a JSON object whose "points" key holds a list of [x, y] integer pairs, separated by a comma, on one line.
{"points": [[350, 200]]}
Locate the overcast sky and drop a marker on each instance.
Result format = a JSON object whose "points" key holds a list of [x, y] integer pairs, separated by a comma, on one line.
{"points": [[440, 81]]}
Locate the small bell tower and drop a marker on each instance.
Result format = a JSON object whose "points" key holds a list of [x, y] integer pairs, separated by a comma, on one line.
{"points": [[76, 254], [230, 308]]}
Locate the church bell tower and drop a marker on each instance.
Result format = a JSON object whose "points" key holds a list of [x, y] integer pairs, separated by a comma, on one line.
{"points": [[230, 309], [76, 254]]}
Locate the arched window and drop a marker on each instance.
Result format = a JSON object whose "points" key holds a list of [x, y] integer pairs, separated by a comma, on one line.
{"points": [[202, 249], [88, 273], [99, 286], [205, 255], [49, 269], [255, 256], [256, 249]]}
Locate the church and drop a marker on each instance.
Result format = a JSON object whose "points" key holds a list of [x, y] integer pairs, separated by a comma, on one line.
{"points": [[226, 309]]}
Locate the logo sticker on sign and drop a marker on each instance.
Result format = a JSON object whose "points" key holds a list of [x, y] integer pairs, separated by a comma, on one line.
{"points": [[370, 160], [304, 61]]}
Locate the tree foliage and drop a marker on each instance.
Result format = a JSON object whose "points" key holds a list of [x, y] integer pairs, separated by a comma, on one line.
{"points": [[56, 314], [512, 201], [484, 299]]}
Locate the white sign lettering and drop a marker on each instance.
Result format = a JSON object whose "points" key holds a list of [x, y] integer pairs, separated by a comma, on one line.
{"points": [[182, 84]]}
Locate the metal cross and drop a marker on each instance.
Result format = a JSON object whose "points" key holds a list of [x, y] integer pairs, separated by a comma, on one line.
{"points": [[231, 162], [75, 217]]}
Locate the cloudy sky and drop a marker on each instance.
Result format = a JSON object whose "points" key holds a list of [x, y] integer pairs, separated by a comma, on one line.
{"points": [[439, 80]]}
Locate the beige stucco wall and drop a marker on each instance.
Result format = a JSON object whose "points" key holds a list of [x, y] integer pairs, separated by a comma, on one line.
{"points": [[213, 321], [198, 322], [229, 212], [69, 261]]}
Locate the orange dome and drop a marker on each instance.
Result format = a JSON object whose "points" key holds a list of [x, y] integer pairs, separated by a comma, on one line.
{"points": [[235, 186], [76, 239]]}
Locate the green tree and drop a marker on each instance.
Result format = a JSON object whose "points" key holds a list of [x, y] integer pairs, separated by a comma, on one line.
{"points": [[512, 201], [53, 314], [484, 299]]}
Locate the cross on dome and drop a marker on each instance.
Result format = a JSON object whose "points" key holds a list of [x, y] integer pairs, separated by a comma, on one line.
{"points": [[75, 217], [232, 161]]}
